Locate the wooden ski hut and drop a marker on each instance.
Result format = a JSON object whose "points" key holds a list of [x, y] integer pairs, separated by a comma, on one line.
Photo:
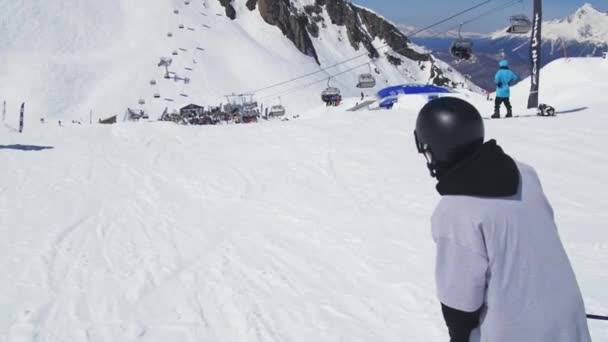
{"points": [[192, 111]]}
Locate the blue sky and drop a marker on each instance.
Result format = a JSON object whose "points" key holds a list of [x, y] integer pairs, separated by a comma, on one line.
{"points": [[424, 12]]}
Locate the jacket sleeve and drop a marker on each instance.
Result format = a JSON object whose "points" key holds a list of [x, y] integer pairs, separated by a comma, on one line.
{"points": [[460, 275], [497, 79], [461, 266], [514, 78]]}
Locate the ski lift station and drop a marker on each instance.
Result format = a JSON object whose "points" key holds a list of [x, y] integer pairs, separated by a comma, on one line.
{"points": [[242, 105]]}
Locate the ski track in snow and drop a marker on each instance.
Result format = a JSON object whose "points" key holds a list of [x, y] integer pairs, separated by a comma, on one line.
{"points": [[315, 229]]}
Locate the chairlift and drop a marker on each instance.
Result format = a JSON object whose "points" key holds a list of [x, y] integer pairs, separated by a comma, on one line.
{"points": [[156, 95], [462, 48], [331, 91], [141, 102], [367, 80], [520, 24], [330, 94], [165, 61], [181, 26], [277, 110]]}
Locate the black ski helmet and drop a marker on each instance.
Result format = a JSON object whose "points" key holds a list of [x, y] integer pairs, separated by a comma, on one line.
{"points": [[448, 130]]}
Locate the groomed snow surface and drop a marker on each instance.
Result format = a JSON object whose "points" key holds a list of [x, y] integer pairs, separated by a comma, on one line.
{"points": [[315, 229]]}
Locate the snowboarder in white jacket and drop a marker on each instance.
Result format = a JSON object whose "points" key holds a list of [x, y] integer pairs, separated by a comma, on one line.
{"points": [[502, 274]]}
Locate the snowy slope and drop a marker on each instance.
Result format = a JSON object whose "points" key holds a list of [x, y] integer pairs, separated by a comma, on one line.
{"points": [[65, 58], [311, 230], [586, 25]]}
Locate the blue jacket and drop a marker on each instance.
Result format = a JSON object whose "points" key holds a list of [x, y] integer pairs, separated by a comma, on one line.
{"points": [[504, 79]]}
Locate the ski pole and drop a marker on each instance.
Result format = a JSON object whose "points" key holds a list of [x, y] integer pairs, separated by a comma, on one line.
{"points": [[597, 317]]}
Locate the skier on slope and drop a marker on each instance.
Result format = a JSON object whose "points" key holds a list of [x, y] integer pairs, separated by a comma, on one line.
{"points": [[504, 79], [502, 274]]}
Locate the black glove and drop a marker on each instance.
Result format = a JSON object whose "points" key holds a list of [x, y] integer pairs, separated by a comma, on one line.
{"points": [[460, 323]]}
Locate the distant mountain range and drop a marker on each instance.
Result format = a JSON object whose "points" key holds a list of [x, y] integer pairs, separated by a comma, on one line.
{"points": [[582, 34]]}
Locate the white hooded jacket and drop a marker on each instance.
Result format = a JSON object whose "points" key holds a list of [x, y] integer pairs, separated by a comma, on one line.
{"points": [[505, 255]]}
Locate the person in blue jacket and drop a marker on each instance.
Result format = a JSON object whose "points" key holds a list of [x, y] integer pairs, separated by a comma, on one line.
{"points": [[504, 79]]}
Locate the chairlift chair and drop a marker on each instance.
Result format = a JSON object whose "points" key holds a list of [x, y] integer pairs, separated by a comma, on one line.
{"points": [[181, 26], [520, 24], [176, 11], [461, 48], [152, 82], [277, 110], [169, 34], [141, 102], [156, 95], [165, 61], [366, 80], [331, 95], [330, 91], [174, 53]]}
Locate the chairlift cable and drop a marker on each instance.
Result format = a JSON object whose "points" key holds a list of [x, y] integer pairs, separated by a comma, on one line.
{"points": [[411, 34], [300, 87], [480, 16], [449, 18]]}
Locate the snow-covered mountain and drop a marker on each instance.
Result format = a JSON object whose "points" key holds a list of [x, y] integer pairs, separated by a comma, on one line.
{"points": [[586, 26], [64, 58], [584, 33]]}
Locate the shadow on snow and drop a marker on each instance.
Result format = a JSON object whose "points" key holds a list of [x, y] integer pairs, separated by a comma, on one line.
{"points": [[25, 147]]}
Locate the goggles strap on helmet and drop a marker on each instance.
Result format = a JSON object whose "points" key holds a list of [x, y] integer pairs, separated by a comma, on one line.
{"points": [[425, 150]]}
